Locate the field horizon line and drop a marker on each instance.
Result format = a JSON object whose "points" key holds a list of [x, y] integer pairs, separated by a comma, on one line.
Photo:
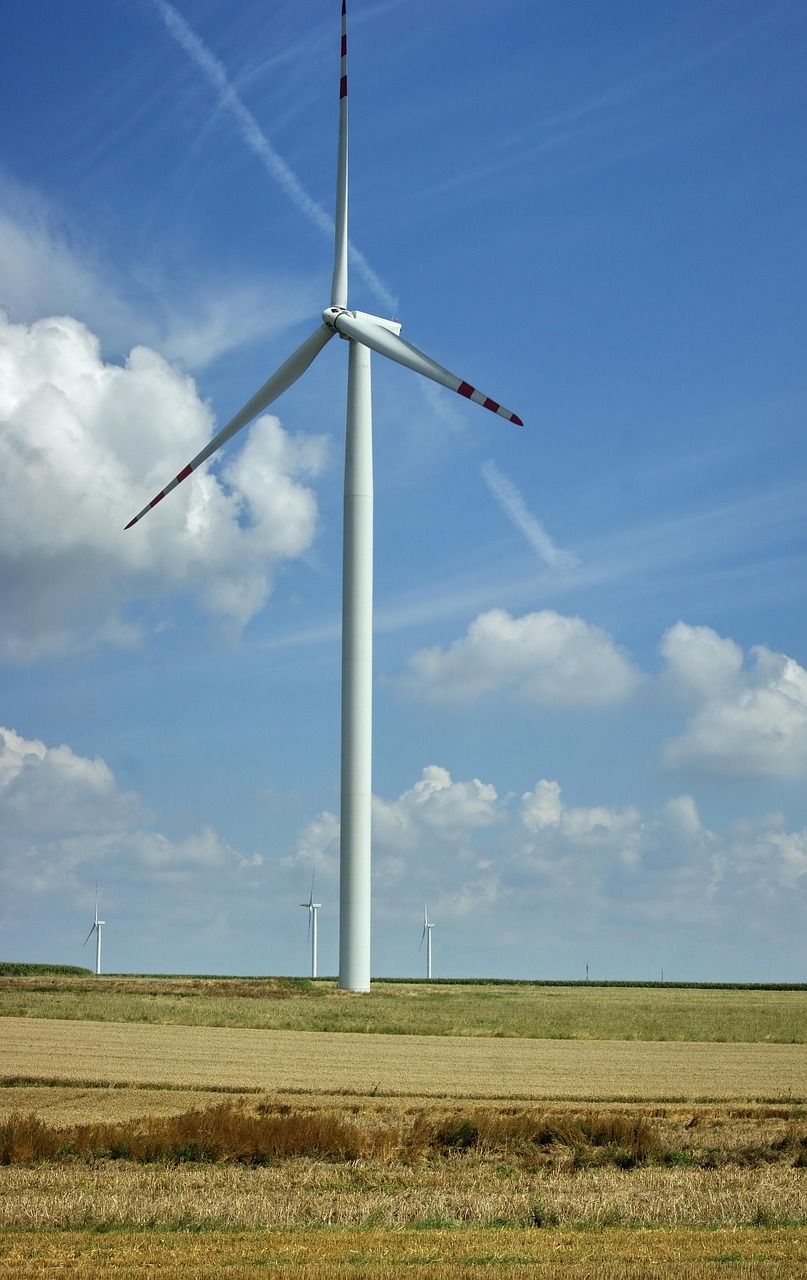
{"points": [[24, 969]]}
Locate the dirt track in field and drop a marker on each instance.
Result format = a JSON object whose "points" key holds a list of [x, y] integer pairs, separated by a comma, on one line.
{"points": [[383, 1065]]}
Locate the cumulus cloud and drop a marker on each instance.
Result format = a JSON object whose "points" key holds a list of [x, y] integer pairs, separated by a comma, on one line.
{"points": [[789, 850], [750, 717], [438, 826], [64, 816], [608, 865], [65, 821], [541, 657], [471, 849], [82, 444], [52, 792], [437, 818], [435, 804], [591, 866], [561, 830]]}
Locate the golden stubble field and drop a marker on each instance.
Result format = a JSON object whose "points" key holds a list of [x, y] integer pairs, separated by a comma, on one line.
{"points": [[427, 1066], [541, 1157]]}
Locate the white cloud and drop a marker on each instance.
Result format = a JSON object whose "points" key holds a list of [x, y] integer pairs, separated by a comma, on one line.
{"points": [[58, 810], [751, 716], [47, 792], [790, 850], [437, 829], [701, 664], [435, 805], [82, 443], [541, 808], [317, 847], [563, 830], [63, 817], [46, 269], [437, 819], [600, 865], [590, 866], [540, 657], [205, 851], [40, 274], [562, 869]]}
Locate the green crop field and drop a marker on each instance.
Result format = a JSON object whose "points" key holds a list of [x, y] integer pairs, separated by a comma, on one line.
{"points": [[505, 1010]]}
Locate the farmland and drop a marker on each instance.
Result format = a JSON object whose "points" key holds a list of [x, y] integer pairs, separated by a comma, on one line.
{"points": [[161, 1126], [243, 1060], [507, 1010]]}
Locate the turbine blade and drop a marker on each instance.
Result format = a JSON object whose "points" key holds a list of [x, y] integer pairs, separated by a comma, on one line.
{"points": [[89, 935], [389, 344], [288, 373], [339, 285]]}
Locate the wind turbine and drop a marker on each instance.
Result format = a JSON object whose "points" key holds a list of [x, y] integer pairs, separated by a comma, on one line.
{"points": [[313, 908], [364, 333], [96, 929], [427, 934]]}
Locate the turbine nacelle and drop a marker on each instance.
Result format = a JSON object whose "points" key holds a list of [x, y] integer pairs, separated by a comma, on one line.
{"points": [[332, 315]]}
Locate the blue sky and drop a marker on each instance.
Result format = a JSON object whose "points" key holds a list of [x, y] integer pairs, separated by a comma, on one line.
{"points": [[591, 694]]}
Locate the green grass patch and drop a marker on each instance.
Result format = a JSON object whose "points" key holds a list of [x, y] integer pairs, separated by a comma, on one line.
{"points": [[9, 968], [585, 1011]]}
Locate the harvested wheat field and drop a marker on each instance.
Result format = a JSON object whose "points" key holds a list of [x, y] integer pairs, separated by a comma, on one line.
{"points": [[131, 1148], [444, 1193], [429, 1066]]}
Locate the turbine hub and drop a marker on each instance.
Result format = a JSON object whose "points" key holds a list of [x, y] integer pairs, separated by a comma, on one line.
{"points": [[331, 314]]}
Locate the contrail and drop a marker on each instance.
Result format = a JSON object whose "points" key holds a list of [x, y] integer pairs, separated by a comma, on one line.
{"points": [[515, 508], [259, 144]]}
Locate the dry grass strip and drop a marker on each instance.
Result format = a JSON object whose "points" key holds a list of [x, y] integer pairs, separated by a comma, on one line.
{"points": [[439, 1255], [430, 1066]]}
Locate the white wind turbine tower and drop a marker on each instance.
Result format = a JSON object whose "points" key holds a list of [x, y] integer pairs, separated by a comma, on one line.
{"points": [[364, 333], [313, 907], [427, 934], [96, 929]]}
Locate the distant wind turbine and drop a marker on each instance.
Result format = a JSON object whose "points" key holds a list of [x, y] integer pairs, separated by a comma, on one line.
{"points": [[363, 333], [96, 929], [313, 907], [427, 934]]}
